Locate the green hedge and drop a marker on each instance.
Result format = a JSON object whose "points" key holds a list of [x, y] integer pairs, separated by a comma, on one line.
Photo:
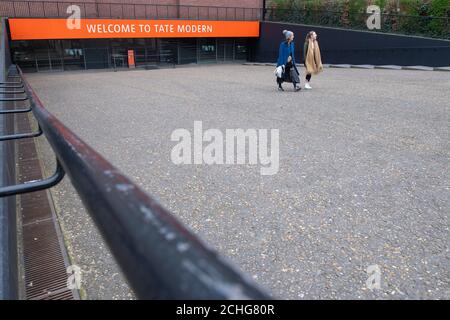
{"points": [[416, 17]]}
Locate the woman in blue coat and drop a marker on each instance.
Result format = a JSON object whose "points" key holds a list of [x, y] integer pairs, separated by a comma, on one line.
{"points": [[286, 59]]}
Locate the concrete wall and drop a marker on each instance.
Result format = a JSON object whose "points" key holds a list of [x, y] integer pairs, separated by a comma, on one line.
{"points": [[341, 46]]}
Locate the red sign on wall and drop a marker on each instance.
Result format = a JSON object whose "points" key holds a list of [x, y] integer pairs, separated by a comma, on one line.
{"points": [[131, 63], [39, 29]]}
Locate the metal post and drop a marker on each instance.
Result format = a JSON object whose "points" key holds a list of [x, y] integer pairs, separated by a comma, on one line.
{"points": [[49, 58], [144, 59], [84, 58], [178, 51], [198, 51], [264, 11], [61, 55]]}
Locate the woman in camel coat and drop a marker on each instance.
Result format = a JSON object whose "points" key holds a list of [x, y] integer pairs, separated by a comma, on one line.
{"points": [[311, 55]]}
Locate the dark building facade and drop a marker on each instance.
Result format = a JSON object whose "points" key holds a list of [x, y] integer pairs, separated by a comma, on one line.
{"points": [[229, 39]]}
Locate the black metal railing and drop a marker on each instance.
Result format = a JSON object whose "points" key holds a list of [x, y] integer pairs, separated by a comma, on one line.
{"points": [[8, 226], [429, 26], [47, 9], [160, 257]]}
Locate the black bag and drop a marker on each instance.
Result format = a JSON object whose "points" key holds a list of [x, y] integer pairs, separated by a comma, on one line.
{"points": [[290, 74]]}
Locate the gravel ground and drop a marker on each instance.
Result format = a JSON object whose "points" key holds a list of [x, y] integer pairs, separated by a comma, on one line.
{"points": [[364, 174]]}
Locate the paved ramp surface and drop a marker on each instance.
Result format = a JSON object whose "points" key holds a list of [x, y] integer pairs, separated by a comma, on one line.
{"points": [[363, 179]]}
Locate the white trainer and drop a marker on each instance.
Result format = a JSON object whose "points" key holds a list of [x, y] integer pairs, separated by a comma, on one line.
{"points": [[307, 86]]}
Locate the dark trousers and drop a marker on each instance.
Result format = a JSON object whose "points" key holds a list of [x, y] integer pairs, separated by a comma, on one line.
{"points": [[308, 76]]}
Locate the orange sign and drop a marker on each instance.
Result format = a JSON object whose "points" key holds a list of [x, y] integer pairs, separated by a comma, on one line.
{"points": [[38, 29], [131, 59]]}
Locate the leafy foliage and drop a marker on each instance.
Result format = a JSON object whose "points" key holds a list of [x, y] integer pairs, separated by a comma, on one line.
{"points": [[415, 17]]}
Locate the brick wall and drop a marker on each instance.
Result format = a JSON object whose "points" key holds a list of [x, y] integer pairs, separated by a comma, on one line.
{"points": [[221, 3], [213, 3], [150, 9]]}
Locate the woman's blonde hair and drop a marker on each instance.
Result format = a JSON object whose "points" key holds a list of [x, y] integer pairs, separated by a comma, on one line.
{"points": [[308, 35]]}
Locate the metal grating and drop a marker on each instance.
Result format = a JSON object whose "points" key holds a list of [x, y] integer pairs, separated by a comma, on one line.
{"points": [[44, 257]]}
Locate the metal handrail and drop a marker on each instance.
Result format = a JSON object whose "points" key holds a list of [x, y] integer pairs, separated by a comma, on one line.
{"points": [[159, 256], [18, 136], [34, 185], [8, 111]]}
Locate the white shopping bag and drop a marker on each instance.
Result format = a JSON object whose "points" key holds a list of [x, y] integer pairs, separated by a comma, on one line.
{"points": [[279, 71]]}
